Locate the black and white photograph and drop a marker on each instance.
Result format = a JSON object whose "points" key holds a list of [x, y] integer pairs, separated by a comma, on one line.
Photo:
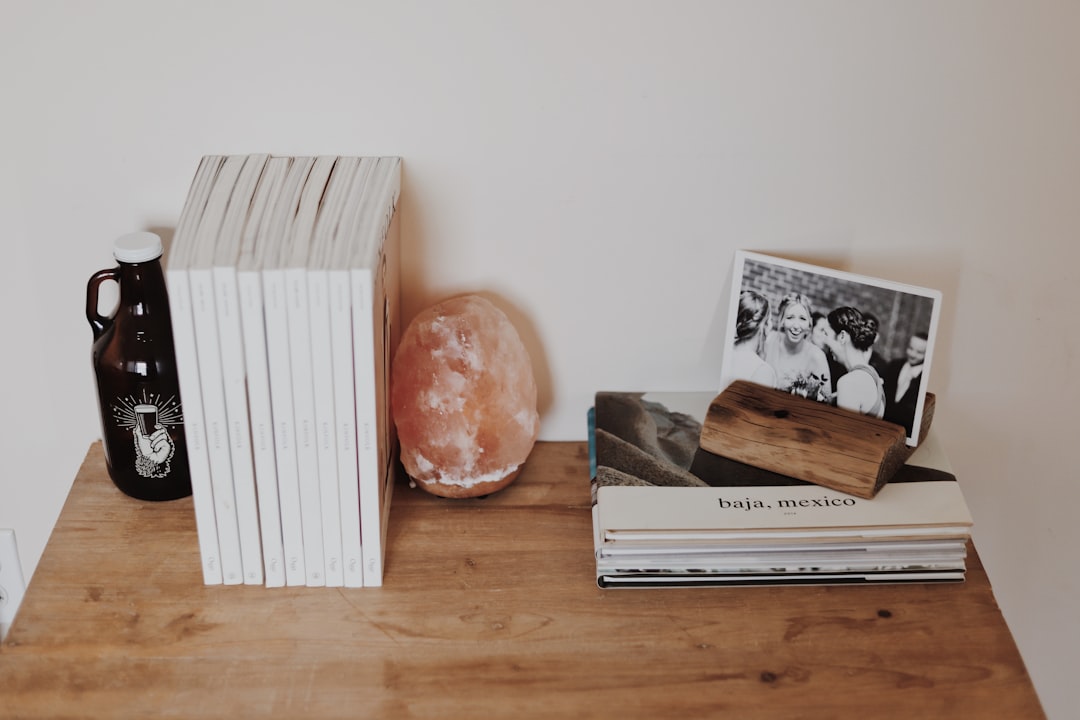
{"points": [[853, 341]]}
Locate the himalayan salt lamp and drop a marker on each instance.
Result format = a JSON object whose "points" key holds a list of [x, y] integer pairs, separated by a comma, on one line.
{"points": [[464, 399]]}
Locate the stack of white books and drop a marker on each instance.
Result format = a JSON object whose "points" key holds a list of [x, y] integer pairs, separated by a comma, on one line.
{"points": [[667, 513], [283, 285]]}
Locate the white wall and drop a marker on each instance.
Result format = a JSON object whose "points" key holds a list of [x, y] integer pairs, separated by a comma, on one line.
{"points": [[593, 165]]}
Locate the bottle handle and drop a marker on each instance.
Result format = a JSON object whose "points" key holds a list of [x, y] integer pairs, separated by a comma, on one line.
{"points": [[100, 323]]}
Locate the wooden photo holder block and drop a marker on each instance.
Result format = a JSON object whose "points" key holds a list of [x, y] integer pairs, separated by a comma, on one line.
{"points": [[807, 440]]}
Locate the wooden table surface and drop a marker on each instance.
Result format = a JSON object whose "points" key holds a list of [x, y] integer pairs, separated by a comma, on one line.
{"points": [[489, 609]]}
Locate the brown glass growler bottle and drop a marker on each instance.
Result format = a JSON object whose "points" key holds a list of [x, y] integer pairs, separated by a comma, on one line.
{"points": [[135, 365]]}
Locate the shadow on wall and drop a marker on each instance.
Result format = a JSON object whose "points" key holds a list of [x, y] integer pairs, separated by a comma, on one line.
{"points": [[166, 234]]}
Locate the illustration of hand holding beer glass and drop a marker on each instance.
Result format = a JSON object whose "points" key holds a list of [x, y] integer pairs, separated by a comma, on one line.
{"points": [[153, 446]]}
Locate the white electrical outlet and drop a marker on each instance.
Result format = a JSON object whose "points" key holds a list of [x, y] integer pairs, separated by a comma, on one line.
{"points": [[12, 585]]}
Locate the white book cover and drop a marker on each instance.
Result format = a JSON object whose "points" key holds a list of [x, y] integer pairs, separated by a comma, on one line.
{"points": [[188, 367], [341, 337], [924, 508], [234, 374], [204, 316], [318, 285], [848, 556], [253, 336], [279, 370], [375, 290], [296, 306], [677, 546]]}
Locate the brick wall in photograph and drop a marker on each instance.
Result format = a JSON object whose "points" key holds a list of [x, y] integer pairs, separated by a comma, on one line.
{"points": [[899, 314]]}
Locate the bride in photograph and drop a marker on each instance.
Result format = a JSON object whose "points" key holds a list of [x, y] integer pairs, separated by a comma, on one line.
{"points": [[851, 337], [801, 367]]}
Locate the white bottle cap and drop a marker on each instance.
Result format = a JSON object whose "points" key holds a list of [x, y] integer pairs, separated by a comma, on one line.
{"points": [[137, 247]]}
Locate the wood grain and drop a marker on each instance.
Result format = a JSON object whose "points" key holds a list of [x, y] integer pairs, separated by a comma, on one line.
{"points": [[489, 609], [803, 439]]}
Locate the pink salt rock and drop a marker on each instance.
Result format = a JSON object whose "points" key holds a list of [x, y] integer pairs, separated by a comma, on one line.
{"points": [[464, 399]]}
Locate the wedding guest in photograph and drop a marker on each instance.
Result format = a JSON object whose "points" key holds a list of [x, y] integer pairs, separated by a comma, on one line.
{"points": [[800, 365], [877, 362], [851, 337], [818, 336], [751, 324], [903, 379]]}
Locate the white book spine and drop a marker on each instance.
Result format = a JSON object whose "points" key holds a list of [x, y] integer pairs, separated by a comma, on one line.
{"points": [[375, 291], [307, 460], [262, 426], [345, 417], [366, 425], [194, 429], [325, 434], [280, 376], [234, 376], [217, 442]]}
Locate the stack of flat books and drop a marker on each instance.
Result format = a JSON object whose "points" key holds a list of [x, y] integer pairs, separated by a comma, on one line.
{"points": [[283, 286], [667, 513]]}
